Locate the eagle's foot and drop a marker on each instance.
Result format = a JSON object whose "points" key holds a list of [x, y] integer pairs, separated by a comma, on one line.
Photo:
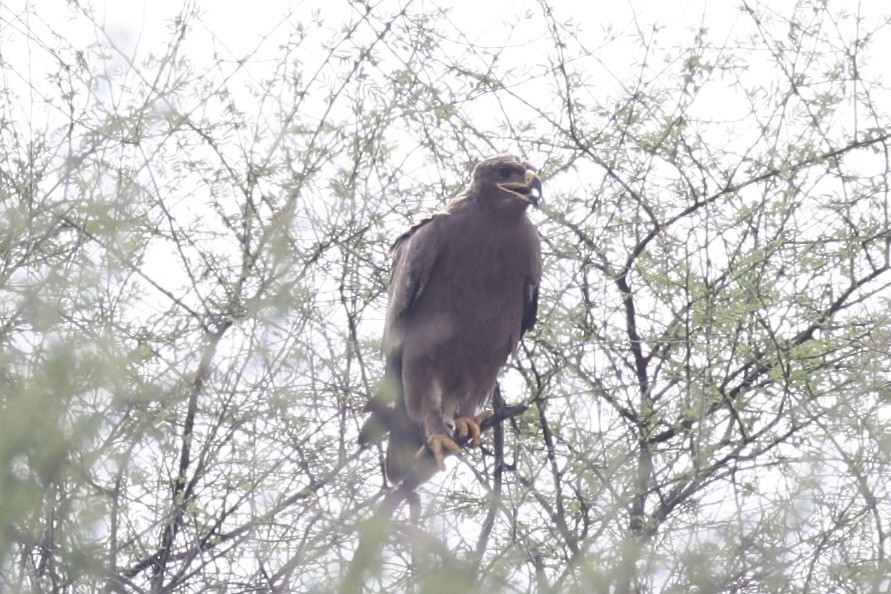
{"points": [[436, 443], [465, 426], [483, 417]]}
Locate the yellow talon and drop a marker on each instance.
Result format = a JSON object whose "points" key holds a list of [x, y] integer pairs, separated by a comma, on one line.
{"points": [[436, 443], [483, 417], [465, 426]]}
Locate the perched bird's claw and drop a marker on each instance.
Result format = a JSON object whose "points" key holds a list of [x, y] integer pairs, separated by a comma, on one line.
{"points": [[483, 417], [436, 443], [439, 443], [465, 426]]}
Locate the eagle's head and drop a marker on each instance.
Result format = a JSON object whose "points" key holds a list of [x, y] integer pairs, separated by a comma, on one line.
{"points": [[506, 177]]}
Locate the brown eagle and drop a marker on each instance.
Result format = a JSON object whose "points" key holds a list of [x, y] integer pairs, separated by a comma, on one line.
{"points": [[463, 291]]}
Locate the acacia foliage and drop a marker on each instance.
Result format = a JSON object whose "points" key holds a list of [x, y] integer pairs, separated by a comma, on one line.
{"points": [[193, 264]]}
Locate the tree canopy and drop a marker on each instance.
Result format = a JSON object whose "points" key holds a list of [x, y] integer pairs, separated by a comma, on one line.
{"points": [[193, 265]]}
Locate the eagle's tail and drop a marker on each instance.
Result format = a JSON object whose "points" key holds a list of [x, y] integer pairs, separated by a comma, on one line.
{"points": [[382, 405], [406, 439], [388, 415]]}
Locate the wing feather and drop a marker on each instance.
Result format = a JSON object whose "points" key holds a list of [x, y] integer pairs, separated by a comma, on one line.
{"points": [[414, 256], [530, 288], [530, 306]]}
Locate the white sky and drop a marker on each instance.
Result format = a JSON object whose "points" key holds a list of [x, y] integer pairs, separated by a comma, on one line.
{"points": [[138, 25], [237, 29], [240, 24]]}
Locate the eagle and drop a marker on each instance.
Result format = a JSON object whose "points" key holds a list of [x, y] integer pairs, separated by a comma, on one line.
{"points": [[463, 291]]}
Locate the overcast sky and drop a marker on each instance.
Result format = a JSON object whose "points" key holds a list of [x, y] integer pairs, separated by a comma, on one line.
{"points": [[234, 30], [238, 27]]}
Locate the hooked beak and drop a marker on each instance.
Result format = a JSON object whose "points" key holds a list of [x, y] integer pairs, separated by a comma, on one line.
{"points": [[529, 191]]}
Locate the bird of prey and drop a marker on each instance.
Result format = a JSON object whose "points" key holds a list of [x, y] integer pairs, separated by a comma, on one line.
{"points": [[463, 291]]}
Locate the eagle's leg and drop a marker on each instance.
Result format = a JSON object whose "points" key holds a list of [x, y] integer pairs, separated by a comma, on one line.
{"points": [[465, 426], [437, 443]]}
